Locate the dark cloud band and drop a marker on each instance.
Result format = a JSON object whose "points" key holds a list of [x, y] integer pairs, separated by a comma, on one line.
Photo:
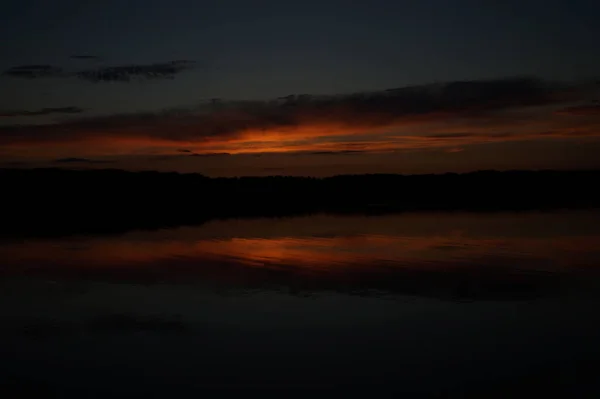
{"points": [[41, 112], [34, 72], [79, 160], [483, 102], [120, 73]]}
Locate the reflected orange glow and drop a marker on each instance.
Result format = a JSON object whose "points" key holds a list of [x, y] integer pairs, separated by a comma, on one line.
{"points": [[311, 254]]}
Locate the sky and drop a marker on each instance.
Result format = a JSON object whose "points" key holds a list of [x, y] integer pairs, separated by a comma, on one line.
{"points": [[237, 87]]}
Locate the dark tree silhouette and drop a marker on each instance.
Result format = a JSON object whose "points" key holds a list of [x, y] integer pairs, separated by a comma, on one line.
{"points": [[57, 201]]}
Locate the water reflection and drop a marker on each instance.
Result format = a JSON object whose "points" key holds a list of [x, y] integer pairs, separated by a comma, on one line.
{"points": [[439, 304], [456, 255]]}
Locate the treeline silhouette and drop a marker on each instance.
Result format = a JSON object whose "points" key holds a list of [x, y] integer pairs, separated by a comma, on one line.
{"points": [[54, 201]]}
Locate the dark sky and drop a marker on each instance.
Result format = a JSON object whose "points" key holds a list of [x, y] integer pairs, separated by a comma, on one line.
{"points": [[78, 56]]}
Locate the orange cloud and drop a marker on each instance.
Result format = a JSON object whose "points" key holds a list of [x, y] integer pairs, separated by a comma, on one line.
{"points": [[446, 116], [580, 110]]}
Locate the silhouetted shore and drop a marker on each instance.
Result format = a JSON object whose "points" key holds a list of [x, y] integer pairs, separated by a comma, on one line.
{"points": [[53, 202]]}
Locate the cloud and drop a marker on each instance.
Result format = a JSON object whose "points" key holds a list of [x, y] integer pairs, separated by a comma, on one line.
{"points": [[12, 163], [34, 71], [273, 168], [84, 57], [79, 160], [126, 73], [452, 114], [41, 112], [119, 73], [211, 154], [343, 152], [450, 135], [582, 110]]}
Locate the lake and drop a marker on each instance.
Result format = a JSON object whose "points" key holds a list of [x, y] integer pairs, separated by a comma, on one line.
{"points": [[421, 304]]}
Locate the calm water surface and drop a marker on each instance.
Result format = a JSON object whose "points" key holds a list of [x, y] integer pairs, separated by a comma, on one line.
{"points": [[443, 303]]}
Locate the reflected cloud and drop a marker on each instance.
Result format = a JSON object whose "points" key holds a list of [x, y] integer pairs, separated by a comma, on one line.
{"points": [[109, 323], [450, 265], [125, 322]]}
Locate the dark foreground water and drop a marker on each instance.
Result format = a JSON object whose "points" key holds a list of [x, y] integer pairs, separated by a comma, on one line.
{"points": [[442, 305]]}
